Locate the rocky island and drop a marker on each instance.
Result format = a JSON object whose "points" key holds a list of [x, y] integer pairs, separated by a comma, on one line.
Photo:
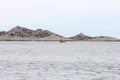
{"points": [[84, 37], [24, 34]]}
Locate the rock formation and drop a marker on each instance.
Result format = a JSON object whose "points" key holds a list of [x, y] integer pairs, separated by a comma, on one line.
{"points": [[2, 33], [24, 34], [81, 36], [104, 38], [21, 33], [84, 37]]}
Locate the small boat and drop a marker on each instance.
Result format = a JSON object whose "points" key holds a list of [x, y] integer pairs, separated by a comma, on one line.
{"points": [[62, 41]]}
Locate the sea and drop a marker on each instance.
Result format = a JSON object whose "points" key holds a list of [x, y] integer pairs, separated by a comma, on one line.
{"points": [[52, 60]]}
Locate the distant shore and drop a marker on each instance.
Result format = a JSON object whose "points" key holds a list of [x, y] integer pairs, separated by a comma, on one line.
{"points": [[19, 33], [59, 40]]}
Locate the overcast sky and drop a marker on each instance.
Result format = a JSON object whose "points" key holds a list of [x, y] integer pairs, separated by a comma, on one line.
{"points": [[65, 17]]}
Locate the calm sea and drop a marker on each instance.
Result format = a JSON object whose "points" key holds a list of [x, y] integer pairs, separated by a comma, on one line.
{"points": [[25, 60]]}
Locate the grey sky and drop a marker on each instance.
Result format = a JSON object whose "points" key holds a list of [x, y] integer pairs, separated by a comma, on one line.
{"points": [[65, 17]]}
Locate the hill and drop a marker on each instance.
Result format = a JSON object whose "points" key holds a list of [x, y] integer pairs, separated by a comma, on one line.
{"points": [[21, 33], [83, 37]]}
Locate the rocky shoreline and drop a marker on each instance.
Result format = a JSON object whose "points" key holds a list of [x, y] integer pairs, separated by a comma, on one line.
{"points": [[24, 34]]}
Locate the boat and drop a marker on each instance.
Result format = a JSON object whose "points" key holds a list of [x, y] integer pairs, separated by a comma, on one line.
{"points": [[62, 41]]}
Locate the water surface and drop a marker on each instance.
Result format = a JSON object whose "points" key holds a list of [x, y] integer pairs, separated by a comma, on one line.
{"points": [[59, 61]]}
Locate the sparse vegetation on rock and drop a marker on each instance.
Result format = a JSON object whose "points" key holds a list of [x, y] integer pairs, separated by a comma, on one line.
{"points": [[2, 33], [22, 34], [81, 36]]}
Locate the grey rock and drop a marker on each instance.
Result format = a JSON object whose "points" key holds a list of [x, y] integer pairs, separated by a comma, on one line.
{"points": [[21, 33], [81, 36], [2, 33]]}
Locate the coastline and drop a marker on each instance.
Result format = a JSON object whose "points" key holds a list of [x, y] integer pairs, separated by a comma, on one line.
{"points": [[19, 33], [63, 42]]}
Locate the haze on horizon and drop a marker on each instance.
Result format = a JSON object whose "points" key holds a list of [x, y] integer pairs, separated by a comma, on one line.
{"points": [[65, 17]]}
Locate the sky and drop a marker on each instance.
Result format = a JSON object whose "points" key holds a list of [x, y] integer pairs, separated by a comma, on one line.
{"points": [[65, 17]]}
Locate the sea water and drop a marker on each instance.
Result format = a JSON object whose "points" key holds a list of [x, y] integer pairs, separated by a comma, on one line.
{"points": [[52, 60]]}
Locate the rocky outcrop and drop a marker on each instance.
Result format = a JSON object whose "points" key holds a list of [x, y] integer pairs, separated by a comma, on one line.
{"points": [[84, 37], [21, 33], [104, 38], [24, 34], [81, 36], [2, 33], [42, 33]]}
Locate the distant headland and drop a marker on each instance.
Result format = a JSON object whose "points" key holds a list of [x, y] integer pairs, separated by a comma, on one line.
{"points": [[19, 33]]}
